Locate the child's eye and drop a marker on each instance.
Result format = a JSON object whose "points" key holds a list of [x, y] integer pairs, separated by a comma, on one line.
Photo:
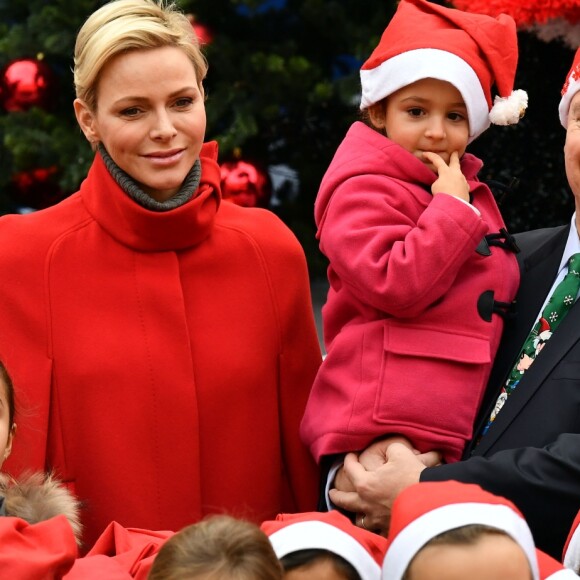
{"points": [[456, 116], [415, 111]]}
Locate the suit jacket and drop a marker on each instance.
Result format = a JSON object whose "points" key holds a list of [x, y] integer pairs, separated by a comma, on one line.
{"points": [[531, 453]]}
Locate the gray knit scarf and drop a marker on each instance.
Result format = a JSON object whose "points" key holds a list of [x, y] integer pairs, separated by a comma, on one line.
{"points": [[130, 187]]}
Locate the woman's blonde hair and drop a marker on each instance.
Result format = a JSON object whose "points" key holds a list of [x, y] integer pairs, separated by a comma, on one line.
{"points": [[124, 25], [219, 547]]}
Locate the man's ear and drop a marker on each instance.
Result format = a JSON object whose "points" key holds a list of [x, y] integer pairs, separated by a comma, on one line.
{"points": [[86, 121]]}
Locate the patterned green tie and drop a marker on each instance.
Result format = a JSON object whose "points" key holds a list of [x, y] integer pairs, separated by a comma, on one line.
{"points": [[557, 307]]}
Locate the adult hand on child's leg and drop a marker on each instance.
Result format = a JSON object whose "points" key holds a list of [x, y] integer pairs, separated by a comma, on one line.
{"points": [[371, 458], [375, 491]]}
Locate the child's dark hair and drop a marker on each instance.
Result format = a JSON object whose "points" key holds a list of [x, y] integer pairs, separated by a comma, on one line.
{"points": [[306, 558], [9, 388], [462, 536]]}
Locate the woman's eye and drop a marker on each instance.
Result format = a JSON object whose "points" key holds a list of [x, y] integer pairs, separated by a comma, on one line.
{"points": [[130, 112], [184, 102]]}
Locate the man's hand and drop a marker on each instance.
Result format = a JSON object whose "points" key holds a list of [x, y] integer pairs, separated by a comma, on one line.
{"points": [[373, 457], [375, 491]]}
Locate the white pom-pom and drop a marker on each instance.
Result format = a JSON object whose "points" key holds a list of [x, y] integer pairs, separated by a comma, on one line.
{"points": [[509, 110]]}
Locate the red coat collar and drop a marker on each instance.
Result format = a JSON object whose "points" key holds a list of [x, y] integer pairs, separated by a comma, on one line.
{"points": [[145, 230]]}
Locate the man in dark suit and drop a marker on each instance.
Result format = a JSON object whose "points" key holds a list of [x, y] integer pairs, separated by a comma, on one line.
{"points": [[531, 452]]}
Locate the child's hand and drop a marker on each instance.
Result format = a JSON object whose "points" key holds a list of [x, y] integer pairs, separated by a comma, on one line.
{"points": [[450, 180], [375, 454]]}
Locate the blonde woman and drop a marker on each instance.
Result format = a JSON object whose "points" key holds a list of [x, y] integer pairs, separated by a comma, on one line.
{"points": [[164, 342]]}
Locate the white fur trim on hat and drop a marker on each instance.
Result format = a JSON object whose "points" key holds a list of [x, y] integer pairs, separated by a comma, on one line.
{"points": [[561, 575], [448, 517], [564, 106], [414, 65], [572, 555], [509, 110], [322, 536]]}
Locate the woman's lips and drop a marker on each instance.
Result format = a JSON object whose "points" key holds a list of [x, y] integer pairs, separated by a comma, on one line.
{"points": [[163, 158]]}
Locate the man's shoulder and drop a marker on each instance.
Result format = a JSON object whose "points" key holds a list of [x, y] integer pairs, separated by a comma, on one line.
{"points": [[533, 240]]}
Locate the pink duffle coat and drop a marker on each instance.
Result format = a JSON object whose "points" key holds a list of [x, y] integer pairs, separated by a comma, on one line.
{"points": [[409, 323]]}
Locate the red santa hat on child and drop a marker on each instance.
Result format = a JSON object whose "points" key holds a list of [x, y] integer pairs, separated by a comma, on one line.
{"points": [[331, 531], [551, 569], [570, 88], [427, 509], [470, 51]]}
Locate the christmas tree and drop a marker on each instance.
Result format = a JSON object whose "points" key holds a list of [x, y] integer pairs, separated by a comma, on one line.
{"points": [[282, 89]]}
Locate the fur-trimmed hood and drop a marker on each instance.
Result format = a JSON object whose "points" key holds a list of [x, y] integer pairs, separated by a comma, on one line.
{"points": [[37, 497]]}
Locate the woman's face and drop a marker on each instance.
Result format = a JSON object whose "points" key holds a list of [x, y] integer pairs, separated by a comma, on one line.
{"points": [[150, 117]]}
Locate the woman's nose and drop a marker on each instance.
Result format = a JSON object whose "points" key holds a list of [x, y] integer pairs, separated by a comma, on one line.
{"points": [[163, 127]]}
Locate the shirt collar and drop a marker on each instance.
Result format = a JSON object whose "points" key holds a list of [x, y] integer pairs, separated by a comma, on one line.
{"points": [[572, 244]]}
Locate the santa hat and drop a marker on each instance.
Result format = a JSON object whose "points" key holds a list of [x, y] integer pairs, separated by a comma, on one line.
{"points": [[427, 509], [331, 531], [570, 88], [544, 331], [470, 51], [571, 552], [551, 569]]}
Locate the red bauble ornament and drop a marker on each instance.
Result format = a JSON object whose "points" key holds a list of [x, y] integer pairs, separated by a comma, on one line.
{"points": [[36, 188], [26, 83], [203, 33], [245, 183]]}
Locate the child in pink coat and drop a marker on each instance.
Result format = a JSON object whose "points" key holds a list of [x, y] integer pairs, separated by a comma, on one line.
{"points": [[421, 267]]}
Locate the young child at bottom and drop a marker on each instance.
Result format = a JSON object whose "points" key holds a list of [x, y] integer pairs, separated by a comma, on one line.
{"points": [[420, 265], [40, 520], [451, 531], [218, 548], [325, 545]]}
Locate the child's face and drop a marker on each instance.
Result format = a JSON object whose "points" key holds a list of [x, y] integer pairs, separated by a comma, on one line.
{"points": [[6, 433], [493, 556], [427, 115]]}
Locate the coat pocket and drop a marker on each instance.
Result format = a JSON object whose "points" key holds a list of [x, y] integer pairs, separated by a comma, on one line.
{"points": [[431, 380]]}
